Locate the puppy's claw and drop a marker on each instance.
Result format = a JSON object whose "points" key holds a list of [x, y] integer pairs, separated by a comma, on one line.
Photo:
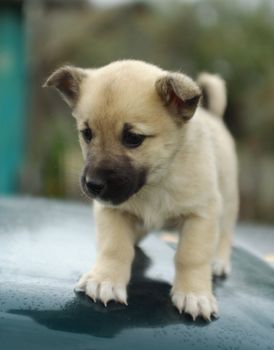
{"points": [[81, 284], [195, 305], [121, 295], [106, 292], [215, 309], [178, 301], [221, 268], [103, 291], [205, 308], [92, 290], [191, 306], [78, 289]]}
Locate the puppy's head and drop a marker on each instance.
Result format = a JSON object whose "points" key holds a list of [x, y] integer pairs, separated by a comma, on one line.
{"points": [[131, 118]]}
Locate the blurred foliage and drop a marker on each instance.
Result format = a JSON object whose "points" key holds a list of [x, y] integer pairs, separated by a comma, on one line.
{"points": [[227, 37]]}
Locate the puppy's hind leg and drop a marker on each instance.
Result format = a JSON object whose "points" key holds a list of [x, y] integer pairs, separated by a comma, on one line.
{"points": [[221, 263], [221, 266]]}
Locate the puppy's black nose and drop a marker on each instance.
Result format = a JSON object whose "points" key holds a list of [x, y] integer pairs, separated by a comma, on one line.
{"points": [[95, 186]]}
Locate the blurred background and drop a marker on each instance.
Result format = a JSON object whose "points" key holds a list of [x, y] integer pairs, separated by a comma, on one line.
{"points": [[39, 151]]}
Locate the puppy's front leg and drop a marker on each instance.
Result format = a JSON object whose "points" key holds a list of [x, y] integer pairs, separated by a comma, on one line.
{"points": [[192, 290], [109, 277]]}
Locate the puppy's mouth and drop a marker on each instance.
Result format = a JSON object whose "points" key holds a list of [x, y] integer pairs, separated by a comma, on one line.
{"points": [[114, 190]]}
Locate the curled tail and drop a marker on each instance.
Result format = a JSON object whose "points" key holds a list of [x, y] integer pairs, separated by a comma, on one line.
{"points": [[214, 93]]}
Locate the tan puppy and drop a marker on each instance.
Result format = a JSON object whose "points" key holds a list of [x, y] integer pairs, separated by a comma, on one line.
{"points": [[155, 159]]}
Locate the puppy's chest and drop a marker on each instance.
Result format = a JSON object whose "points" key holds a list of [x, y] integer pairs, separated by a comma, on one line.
{"points": [[160, 209], [156, 215]]}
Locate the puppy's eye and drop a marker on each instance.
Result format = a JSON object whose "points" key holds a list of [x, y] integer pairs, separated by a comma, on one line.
{"points": [[87, 135], [132, 140]]}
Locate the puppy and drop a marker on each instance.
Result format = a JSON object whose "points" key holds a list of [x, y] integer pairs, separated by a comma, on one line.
{"points": [[155, 158]]}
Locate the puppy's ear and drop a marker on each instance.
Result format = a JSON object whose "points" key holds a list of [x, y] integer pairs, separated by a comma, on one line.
{"points": [[67, 80], [179, 94]]}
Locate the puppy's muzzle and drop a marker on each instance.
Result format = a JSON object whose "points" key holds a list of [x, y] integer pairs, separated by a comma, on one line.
{"points": [[113, 184]]}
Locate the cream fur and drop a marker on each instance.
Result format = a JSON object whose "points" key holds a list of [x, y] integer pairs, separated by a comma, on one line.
{"points": [[191, 185], [215, 89]]}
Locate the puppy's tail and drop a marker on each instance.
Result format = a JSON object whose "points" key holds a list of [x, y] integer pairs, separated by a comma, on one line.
{"points": [[214, 93]]}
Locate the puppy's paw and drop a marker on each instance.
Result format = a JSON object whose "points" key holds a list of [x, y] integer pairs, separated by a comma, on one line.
{"points": [[221, 268], [103, 289], [195, 304]]}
